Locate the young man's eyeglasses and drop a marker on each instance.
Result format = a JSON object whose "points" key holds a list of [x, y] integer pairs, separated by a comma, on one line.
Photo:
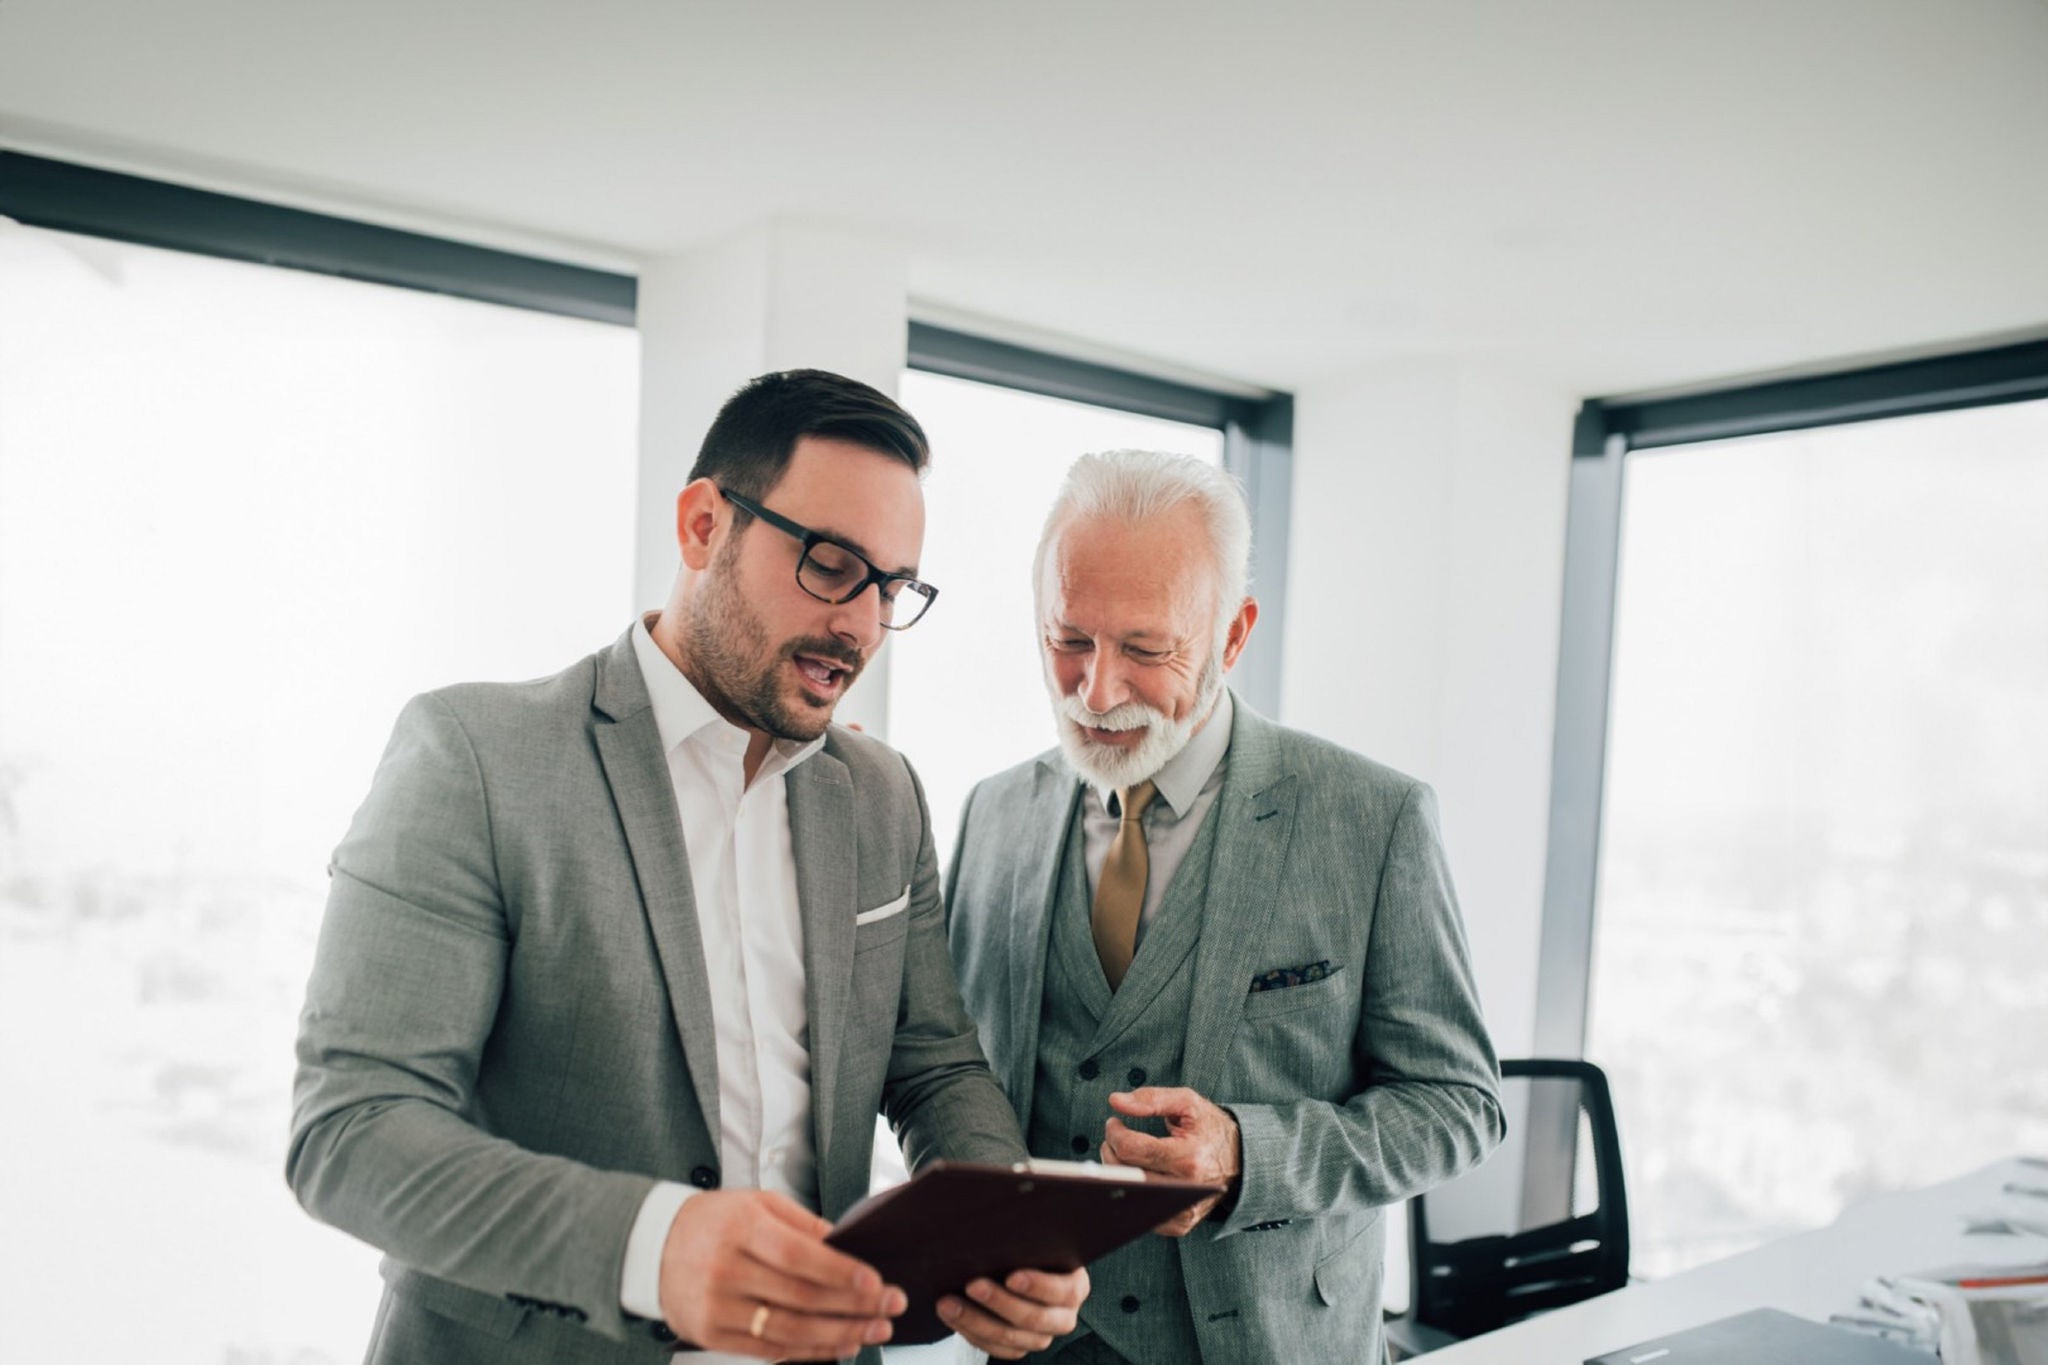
{"points": [[836, 573]]}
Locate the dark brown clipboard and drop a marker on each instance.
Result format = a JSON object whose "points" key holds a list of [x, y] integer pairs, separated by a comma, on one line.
{"points": [[957, 1221]]}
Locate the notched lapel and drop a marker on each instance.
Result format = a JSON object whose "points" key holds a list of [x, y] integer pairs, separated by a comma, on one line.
{"points": [[823, 838], [1042, 835], [637, 771], [1257, 801]]}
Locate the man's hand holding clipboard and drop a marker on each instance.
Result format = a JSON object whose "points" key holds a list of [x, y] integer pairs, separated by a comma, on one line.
{"points": [[749, 1272], [956, 1224]]}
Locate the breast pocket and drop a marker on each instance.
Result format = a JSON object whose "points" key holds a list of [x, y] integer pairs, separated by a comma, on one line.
{"points": [[1287, 999], [885, 924], [1293, 1042], [869, 938]]}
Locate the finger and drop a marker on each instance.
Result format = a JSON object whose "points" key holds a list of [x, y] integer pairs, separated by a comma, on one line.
{"points": [[754, 1283], [986, 1332], [1134, 1148], [787, 1333], [1188, 1220], [1050, 1287], [795, 1215], [777, 1246], [1156, 1101], [1021, 1311]]}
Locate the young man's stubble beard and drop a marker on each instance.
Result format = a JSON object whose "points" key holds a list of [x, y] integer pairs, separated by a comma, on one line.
{"points": [[729, 646]]}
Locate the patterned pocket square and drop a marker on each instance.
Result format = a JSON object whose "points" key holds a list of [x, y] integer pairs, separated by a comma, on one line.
{"points": [[1280, 979]]}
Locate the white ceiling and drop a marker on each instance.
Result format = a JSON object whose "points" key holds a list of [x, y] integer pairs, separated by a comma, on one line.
{"points": [[1611, 194]]}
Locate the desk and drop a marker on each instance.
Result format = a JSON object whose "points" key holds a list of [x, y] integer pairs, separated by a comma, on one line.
{"points": [[1812, 1274]]}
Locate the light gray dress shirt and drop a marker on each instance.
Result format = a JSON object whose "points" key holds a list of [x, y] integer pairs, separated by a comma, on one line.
{"points": [[1187, 788]]}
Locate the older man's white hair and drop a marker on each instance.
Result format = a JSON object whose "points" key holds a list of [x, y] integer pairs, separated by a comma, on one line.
{"points": [[1137, 485]]}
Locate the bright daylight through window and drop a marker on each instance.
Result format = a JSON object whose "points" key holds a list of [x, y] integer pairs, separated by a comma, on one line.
{"points": [[1822, 925], [244, 513]]}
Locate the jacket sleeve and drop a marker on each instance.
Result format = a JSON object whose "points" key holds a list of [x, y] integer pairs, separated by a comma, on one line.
{"points": [[1430, 1104], [940, 1096], [387, 1140]]}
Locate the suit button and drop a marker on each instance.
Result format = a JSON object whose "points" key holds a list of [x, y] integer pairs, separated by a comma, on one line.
{"points": [[1080, 1145], [1137, 1077], [1090, 1070], [704, 1178], [1130, 1303]]}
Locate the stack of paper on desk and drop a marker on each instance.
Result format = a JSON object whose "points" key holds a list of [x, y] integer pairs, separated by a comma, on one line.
{"points": [[1970, 1315]]}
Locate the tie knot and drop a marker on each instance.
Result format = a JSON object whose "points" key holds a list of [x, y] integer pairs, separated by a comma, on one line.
{"points": [[1131, 801]]}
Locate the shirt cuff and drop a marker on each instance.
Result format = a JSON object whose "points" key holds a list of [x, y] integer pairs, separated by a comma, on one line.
{"points": [[640, 1276]]}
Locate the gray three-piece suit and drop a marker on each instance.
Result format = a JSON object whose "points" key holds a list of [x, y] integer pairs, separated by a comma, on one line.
{"points": [[1306, 970], [508, 1037]]}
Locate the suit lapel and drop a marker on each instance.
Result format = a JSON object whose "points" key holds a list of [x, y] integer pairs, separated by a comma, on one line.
{"points": [[1255, 823], [629, 747], [1054, 793], [821, 832]]}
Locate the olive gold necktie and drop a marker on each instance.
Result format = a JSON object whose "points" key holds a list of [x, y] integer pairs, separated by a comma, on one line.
{"points": [[1120, 889]]}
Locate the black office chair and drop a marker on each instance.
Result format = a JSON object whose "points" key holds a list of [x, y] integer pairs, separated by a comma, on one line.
{"points": [[1563, 1241]]}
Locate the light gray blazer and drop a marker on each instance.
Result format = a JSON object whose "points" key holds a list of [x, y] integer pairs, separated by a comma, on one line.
{"points": [[1351, 1092], [508, 1037]]}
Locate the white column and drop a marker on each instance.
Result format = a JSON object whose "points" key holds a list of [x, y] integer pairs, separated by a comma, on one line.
{"points": [[775, 297], [1424, 580]]}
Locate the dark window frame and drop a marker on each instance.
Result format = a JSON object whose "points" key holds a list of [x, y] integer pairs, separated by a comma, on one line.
{"points": [[1607, 431], [67, 197]]}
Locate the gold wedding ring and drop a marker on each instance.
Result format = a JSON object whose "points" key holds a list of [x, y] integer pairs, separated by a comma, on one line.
{"points": [[759, 1326]]}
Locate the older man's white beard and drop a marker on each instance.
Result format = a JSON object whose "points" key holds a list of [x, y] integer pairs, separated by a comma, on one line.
{"points": [[1109, 767]]}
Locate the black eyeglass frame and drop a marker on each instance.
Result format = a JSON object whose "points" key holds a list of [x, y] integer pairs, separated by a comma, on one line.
{"points": [[805, 536]]}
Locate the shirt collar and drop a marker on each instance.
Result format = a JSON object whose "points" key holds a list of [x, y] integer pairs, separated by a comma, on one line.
{"points": [[1188, 771], [681, 714]]}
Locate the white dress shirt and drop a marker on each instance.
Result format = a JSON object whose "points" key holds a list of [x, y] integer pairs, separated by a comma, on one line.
{"points": [[743, 871], [1187, 788]]}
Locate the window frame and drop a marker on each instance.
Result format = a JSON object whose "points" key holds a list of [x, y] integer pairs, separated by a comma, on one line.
{"points": [[1258, 431], [1607, 431], [66, 197]]}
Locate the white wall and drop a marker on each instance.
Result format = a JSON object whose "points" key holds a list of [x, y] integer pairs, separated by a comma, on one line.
{"points": [[774, 297], [1424, 577]]}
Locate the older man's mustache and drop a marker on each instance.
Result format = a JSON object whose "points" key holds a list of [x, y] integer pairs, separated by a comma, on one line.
{"points": [[1130, 715]]}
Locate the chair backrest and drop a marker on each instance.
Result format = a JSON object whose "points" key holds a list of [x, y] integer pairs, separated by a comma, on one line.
{"points": [[1523, 1232]]}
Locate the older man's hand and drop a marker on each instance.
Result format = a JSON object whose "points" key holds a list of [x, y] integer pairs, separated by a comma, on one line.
{"points": [[1021, 1315], [1201, 1143]]}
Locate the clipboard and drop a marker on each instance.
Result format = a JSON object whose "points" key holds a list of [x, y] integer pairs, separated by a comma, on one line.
{"points": [[957, 1221]]}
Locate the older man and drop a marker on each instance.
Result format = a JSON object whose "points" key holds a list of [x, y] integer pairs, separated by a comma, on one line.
{"points": [[1203, 944]]}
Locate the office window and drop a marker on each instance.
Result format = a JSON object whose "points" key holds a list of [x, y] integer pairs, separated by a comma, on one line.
{"points": [[244, 513], [1821, 933], [966, 691]]}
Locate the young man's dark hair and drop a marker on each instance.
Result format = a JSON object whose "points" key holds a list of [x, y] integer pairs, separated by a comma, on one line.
{"points": [[751, 443]]}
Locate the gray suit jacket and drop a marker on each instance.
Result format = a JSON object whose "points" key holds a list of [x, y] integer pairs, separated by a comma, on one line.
{"points": [[508, 1037], [1351, 1092]]}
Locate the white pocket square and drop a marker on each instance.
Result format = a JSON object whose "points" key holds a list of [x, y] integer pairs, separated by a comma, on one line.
{"points": [[895, 907]]}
